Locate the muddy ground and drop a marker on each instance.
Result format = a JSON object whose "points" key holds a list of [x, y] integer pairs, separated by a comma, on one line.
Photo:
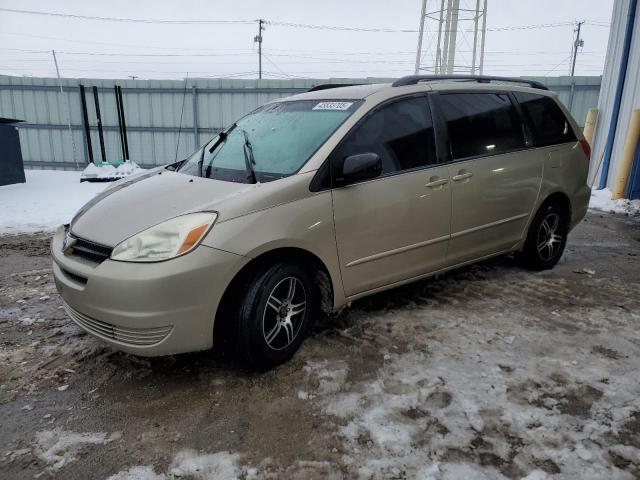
{"points": [[487, 372]]}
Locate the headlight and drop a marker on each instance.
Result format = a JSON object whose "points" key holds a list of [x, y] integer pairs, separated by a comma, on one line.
{"points": [[166, 240]]}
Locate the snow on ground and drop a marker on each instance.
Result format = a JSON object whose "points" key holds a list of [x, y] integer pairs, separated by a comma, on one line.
{"points": [[461, 403], [601, 200], [48, 199], [58, 448], [138, 473], [190, 464]]}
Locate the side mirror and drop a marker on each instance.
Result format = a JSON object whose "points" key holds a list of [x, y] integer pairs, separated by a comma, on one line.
{"points": [[362, 166]]}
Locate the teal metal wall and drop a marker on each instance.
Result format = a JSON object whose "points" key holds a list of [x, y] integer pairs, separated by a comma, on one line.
{"points": [[153, 110]]}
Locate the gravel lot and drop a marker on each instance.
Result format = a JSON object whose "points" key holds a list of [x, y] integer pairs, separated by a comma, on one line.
{"points": [[488, 372]]}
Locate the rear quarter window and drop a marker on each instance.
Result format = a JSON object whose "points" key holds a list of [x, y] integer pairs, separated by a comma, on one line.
{"points": [[548, 123]]}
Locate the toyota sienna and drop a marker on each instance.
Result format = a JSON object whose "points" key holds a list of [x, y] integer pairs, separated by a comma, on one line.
{"points": [[318, 199]]}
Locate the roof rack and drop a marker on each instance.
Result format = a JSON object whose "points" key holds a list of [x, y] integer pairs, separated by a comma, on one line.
{"points": [[414, 79], [326, 86]]}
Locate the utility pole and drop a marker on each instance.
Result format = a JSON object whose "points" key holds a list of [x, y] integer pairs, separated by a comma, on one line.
{"points": [[258, 39], [577, 43], [73, 143], [420, 34]]}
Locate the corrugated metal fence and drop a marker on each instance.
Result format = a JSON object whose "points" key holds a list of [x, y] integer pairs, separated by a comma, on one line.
{"points": [[166, 119]]}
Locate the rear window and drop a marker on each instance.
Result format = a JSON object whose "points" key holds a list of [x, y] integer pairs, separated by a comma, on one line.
{"points": [[548, 123], [481, 124]]}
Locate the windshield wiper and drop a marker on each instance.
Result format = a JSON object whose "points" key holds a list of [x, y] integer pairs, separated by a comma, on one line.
{"points": [[222, 136], [249, 160]]}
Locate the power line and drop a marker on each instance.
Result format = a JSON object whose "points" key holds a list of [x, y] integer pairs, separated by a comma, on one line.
{"points": [[274, 65], [274, 51], [554, 68], [407, 30], [322, 62], [112, 44], [595, 23], [269, 22], [160, 55], [127, 20], [340, 27]]}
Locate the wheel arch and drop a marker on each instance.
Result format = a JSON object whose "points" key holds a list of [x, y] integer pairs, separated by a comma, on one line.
{"points": [[316, 266], [559, 197]]}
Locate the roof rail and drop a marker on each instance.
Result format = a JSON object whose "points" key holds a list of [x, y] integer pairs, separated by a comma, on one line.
{"points": [[326, 86], [414, 79]]}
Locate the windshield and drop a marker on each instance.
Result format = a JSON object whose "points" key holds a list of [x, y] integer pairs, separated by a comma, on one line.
{"points": [[283, 136]]}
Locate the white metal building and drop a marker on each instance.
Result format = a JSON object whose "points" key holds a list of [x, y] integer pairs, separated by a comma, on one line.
{"points": [[619, 96]]}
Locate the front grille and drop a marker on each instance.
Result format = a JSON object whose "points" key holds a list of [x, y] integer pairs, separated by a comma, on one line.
{"points": [[128, 336], [90, 250]]}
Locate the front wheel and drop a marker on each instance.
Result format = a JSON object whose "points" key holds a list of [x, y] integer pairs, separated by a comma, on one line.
{"points": [[274, 313], [547, 238]]}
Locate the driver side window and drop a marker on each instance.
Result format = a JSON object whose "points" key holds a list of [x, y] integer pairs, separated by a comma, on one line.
{"points": [[401, 133]]}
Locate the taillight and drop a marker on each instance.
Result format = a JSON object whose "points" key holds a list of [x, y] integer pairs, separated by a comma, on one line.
{"points": [[586, 148]]}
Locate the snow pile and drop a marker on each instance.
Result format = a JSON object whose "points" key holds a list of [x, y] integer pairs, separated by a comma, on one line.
{"points": [[106, 171], [138, 473], [601, 200], [48, 199], [58, 448], [189, 464], [216, 466]]}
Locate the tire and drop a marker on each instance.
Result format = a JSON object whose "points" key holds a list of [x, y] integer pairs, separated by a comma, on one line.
{"points": [[275, 310], [547, 237]]}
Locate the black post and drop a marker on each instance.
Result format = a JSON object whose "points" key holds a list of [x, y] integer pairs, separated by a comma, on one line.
{"points": [[100, 134], [124, 125], [85, 123], [119, 112]]}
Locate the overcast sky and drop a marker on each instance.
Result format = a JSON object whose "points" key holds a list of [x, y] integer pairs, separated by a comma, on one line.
{"points": [[516, 42]]}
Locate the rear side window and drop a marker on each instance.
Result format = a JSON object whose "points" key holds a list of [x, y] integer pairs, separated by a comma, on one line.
{"points": [[401, 133], [548, 122], [480, 124]]}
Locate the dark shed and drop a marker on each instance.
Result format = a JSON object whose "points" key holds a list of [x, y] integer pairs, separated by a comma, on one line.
{"points": [[11, 167]]}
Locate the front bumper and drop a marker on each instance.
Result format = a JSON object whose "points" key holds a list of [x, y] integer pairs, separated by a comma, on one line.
{"points": [[147, 309]]}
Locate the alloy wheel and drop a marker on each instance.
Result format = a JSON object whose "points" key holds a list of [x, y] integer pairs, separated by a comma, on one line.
{"points": [[549, 236], [284, 313]]}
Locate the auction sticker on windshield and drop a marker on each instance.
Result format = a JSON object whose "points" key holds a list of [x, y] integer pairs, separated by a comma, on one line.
{"points": [[333, 106]]}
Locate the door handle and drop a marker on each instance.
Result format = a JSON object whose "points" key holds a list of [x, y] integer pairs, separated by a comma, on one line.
{"points": [[436, 183], [462, 175]]}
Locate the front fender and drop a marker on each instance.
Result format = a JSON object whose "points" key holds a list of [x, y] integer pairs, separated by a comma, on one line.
{"points": [[306, 224]]}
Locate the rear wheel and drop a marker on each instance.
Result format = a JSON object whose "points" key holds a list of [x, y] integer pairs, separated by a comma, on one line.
{"points": [[276, 308], [547, 237]]}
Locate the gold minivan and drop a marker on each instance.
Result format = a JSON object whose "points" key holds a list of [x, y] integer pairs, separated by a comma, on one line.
{"points": [[315, 200]]}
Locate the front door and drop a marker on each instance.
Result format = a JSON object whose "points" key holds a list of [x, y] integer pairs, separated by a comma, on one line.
{"points": [[495, 178], [396, 226]]}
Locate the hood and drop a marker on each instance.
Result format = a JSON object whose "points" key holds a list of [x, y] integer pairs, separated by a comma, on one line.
{"points": [[133, 205]]}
